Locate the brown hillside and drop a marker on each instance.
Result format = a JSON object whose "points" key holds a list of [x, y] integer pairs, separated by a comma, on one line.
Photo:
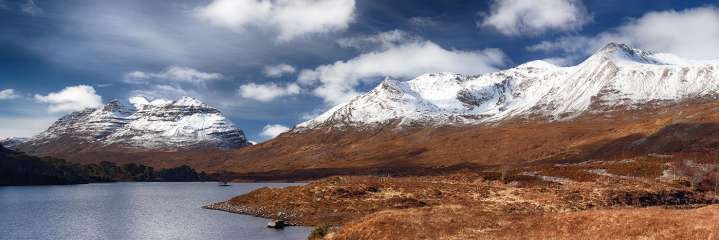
{"points": [[688, 129]]}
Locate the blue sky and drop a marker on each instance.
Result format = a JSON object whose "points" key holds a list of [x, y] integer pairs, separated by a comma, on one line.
{"points": [[273, 63]]}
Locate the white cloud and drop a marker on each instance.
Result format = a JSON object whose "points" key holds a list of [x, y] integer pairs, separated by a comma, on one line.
{"points": [[290, 18], [8, 94], [137, 75], [381, 40], [691, 33], [306, 116], [172, 74], [531, 17], [279, 70], [30, 8], [212, 97], [273, 130], [71, 99], [23, 126], [337, 81], [422, 21], [165, 91], [267, 92], [565, 44]]}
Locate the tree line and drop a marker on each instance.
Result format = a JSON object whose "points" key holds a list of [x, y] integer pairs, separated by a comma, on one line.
{"points": [[17, 168]]}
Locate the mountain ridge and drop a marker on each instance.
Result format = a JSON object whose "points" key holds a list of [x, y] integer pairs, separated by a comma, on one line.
{"points": [[607, 106], [618, 103], [160, 125], [616, 76]]}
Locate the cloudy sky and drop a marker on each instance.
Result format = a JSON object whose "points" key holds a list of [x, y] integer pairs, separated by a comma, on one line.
{"points": [[271, 64]]}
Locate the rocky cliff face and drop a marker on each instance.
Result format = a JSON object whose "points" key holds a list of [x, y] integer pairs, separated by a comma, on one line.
{"points": [[616, 76], [159, 125]]}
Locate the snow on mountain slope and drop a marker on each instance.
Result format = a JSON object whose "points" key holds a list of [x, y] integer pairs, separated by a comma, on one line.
{"points": [[616, 75], [156, 125], [11, 142]]}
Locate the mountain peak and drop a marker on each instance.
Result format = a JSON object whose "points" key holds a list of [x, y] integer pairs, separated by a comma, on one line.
{"points": [[611, 46], [138, 101], [620, 53], [114, 104], [160, 124], [188, 102]]}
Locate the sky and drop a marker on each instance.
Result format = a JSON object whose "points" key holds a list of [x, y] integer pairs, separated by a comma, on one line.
{"points": [[271, 64]]}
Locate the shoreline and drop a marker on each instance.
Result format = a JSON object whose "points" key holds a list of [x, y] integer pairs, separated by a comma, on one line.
{"points": [[483, 203], [227, 207]]}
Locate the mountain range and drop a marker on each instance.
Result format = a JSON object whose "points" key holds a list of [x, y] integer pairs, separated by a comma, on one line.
{"points": [[620, 101], [615, 76]]}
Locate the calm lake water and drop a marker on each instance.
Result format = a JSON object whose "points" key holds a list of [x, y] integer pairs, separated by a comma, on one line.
{"points": [[131, 211]]}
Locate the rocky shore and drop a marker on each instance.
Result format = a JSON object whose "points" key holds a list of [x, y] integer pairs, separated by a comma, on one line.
{"points": [[252, 211]]}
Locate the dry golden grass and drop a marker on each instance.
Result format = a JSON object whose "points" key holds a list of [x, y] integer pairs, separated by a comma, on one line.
{"points": [[539, 201], [460, 222], [438, 222], [336, 200]]}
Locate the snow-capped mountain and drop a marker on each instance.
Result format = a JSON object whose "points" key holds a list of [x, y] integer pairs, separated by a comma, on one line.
{"points": [[615, 76], [11, 142], [144, 125]]}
